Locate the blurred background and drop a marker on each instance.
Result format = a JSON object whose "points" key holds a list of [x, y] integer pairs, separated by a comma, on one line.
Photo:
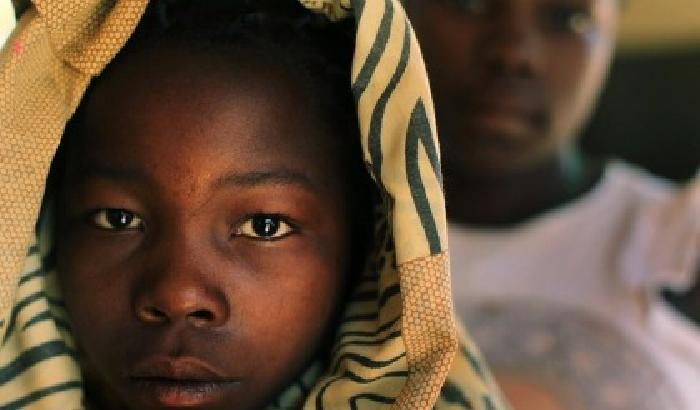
{"points": [[649, 113]]}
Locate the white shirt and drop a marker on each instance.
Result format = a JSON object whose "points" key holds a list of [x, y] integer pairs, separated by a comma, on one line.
{"points": [[570, 298]]}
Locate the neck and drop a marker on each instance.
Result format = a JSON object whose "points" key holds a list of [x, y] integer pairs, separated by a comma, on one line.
{"points": [[516, 197]]}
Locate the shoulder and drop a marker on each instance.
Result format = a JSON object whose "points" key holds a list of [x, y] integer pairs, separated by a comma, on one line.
{"points": [[638, 184], [663, 230]]}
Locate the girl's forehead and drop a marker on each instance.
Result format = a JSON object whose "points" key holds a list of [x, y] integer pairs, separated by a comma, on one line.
{"points": [[203, 117]]}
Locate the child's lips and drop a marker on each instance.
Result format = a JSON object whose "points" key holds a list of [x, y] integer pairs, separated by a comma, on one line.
{"points": [[178, 382]]}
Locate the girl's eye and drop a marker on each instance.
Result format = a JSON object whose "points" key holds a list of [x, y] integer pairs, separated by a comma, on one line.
{"points": [[569, 19], [116, 220], [265, 227]]}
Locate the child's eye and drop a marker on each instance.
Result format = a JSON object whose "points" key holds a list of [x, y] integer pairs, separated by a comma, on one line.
{"points": [[564, 19], [116, 219], [265, 227]]}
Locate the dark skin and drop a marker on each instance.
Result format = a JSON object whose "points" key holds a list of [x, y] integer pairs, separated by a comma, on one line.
{"points": [[204, 235], [513, 83]]}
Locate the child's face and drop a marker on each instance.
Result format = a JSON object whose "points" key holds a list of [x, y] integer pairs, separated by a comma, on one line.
{"points": [[514, 80], [203, 237]]}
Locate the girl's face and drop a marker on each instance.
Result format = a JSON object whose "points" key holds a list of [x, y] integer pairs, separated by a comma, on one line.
{"points": [[203, 233], [514, 80]]}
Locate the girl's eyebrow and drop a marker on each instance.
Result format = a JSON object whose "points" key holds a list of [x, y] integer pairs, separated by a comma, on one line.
{"points": [[281, 176], [116, 173]]}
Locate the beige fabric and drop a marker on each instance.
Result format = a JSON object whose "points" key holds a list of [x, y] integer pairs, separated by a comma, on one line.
{"points": [[45, 69], [424, 330]]}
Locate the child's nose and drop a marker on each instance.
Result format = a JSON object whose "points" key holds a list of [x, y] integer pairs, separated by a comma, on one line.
{"points": [[172, 303], [178, 284], [513, 45]]}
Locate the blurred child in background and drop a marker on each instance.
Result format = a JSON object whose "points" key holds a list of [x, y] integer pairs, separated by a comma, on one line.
{"points": [[555, 256]]}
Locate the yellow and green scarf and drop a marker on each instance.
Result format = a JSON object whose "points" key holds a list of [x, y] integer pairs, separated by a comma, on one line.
{"points": [[397, 345]]}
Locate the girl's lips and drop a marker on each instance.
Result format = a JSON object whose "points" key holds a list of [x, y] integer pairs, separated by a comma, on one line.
{"points": [[180, 393], [179, 382]]}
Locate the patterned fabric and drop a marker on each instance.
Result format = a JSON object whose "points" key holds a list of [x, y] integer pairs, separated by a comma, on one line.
{"points": [[397, 345]]}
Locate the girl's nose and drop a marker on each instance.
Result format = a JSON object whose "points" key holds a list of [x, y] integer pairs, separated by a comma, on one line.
{"points": [[513, 47], [179, 284], [173, 302]]}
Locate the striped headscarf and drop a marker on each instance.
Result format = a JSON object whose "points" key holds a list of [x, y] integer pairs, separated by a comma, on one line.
{"points": [[397, 345]]}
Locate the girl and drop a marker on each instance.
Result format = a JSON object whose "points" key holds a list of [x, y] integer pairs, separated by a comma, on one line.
{"points": [[208, 209]]}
